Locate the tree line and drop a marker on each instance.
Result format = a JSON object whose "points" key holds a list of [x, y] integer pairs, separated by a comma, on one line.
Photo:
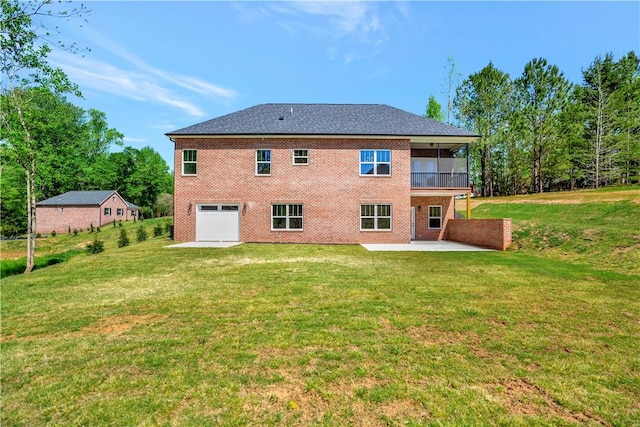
{"points": [[72, 150], [49, 146], [540, 132]]}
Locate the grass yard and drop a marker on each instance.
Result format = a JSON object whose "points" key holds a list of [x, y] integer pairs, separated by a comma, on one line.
{"points": [[334, 335]]}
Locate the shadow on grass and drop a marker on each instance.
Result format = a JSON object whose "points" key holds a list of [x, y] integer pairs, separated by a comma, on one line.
{"points": [[12, 267]]}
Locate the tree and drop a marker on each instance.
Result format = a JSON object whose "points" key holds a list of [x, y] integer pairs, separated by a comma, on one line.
{"points": [[24, 47], [12, 197], [434, 110], [610, 94], [482, 105], [542, 93], [164, 205], [453, 78], [627, 98], [123, 240], [140, 176]]}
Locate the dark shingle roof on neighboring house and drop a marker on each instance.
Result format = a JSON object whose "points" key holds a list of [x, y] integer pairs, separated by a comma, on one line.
{"points": [[78, 198], [322, 119]]}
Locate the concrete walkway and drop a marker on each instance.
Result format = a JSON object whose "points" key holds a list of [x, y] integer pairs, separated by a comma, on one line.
{"points": [[204, 245], [425, 246], [422, 246]]}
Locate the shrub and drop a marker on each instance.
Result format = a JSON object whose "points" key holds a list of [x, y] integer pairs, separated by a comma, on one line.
{"points": [[53, 233], [91, 229], [167, 227], [114, 223], [157, 230], [95, 247], [123, 240], [141, 234], [98, 229], [120, 224], [75, 231]]}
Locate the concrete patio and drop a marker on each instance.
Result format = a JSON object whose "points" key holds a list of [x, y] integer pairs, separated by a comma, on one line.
{"points": [[421, 246], [425, 246]]}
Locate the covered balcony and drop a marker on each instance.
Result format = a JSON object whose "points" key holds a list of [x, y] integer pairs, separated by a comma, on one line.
{"points": [[440, 166]]}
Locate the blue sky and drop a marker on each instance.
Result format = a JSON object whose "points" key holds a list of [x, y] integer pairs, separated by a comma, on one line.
{"points": [[154, 67]]}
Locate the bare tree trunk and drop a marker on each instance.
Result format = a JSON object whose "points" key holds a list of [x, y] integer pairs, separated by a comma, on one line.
{"points": [[598, 141], [31, 217], [29, 166]]}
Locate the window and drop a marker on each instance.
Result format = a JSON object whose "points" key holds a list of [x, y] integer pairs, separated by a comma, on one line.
{"points": [[107, 211], [300, 157], [263, 162], [375, 217], [189, 162], [375, 162], [435, 216], [119, 211], [286, 217]]}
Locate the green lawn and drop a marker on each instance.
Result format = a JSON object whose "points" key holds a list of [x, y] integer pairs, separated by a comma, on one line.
{"points": [[328, 335]]}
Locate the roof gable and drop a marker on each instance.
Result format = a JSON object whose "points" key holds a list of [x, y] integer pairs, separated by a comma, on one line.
{"points": [[322, 119], [80, 198]]}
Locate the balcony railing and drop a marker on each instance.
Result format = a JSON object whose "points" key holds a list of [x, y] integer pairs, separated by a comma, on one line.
{"points": [[439, 180]]}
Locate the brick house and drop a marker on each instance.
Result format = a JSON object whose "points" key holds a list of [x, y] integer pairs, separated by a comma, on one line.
{"points": [[78, 210], [318, 173]]}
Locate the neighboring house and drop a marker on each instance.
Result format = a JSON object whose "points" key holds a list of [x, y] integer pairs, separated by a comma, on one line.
{"points": [[78, 210], [318, 173]]}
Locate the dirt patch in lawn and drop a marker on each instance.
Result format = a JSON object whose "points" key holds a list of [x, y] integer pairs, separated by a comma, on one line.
{"points": [[523, 397], [119, 324]]}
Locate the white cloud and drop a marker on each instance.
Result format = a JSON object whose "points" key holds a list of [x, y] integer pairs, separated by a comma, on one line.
{"points": [[141, 81], [134, 140], [353, 28]]}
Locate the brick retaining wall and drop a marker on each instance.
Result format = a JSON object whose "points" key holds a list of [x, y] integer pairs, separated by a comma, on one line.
{"points": [[486, 233]]}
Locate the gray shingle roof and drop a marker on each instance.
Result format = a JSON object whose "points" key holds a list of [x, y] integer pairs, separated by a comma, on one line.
{"points": [[76, 198], [322, 119]]}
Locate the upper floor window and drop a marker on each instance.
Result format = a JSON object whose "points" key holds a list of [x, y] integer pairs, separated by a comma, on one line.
{"points": [[286, 217], [375, 217], [375, 162], [263, 162], [189, 162], [300, 157]]}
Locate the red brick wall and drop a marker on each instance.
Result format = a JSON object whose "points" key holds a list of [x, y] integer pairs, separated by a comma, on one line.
{"points": [[329, 188], [63, 218], [487, 233], [422, 215]]}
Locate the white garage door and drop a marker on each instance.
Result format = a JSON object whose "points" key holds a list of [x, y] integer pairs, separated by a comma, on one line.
{"points": [[218, 223]]}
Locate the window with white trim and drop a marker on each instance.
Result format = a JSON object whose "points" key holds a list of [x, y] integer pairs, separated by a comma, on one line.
{"points": [[435, 217], [375, 162], [119, 211], [263, 162], [107, 211], [375, 217], [300, 157], [189, 162], [286, 217]]}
